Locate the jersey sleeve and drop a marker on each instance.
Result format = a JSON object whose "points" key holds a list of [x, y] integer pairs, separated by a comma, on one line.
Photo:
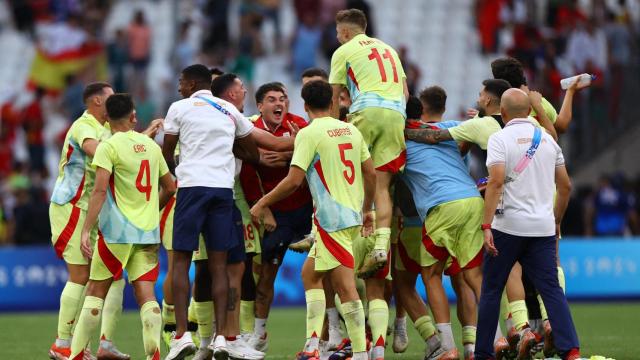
{"points": [[495, 151], [549, 110], [104, 157], [338, 73], [467, 130], [559, 156], [171, 121], [304, 150], [243, 125], [82, 132]]}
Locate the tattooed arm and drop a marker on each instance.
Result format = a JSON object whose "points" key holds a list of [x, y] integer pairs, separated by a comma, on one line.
{"points": [[428, 136]]}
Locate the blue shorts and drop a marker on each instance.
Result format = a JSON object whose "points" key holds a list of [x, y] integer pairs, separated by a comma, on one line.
{"points": [[291, 227], [237, 253], [203, 210]]}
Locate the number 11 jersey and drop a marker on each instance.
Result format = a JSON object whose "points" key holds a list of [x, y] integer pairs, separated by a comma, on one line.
{"points": [[371, 71], [331, 152], [130, 214]]}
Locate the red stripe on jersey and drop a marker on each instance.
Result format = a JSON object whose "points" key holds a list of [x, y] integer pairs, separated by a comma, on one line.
{"points": [[438, 252], [67, 232], [453, 269], [342, 255], [110, 261], [151, 275], [409, 264], [78, 194], [352, 76], [165, 214], [318, 167], [394, 166], [69, 152]]}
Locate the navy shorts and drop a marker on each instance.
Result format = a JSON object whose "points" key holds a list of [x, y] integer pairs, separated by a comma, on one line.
{"points": [[291, 227], [237, 253], [203, 210]]}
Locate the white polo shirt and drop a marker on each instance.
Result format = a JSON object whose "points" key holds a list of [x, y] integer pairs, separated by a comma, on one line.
{"points": [[527, 201], [206, 137]]}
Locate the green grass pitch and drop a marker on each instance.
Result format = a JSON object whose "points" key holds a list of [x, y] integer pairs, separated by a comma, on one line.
{"points": [[611, 329]]}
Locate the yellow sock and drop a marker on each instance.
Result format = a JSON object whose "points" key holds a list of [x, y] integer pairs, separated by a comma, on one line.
{"points": [[354, 320], [316, 305], [519, 314], [543, 310], [87, 322], [191, 312], [561, 279], [378, 321], [151, 327], [247, 316], [204, 317], [425, 327], [468, 334], [504, 307], [168, 314], [382, 238], [112, 309], [70, 301]]}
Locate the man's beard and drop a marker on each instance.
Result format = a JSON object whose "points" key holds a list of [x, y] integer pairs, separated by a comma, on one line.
{"points": [[481, 112]]}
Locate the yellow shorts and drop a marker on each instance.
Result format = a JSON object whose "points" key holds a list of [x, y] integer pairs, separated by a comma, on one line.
{"points": [[166, 223], [252, 231], [331, 250], [66, 225], [383, 131], [109, 260], [453, 229]]}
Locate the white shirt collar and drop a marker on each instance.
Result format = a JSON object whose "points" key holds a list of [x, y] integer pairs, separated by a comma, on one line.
{"points": [[201, 92], [519, 121]]}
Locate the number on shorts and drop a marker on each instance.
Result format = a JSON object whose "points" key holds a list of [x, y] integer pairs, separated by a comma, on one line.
{"points": [[387, 55], [348, 163], [144, 172], [249, 232]]}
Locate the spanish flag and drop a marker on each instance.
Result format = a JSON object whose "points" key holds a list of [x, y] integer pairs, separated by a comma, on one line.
{"points": [[49, 71]]}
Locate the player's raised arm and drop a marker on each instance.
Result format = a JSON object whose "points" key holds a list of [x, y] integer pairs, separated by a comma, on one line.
{"points": [[267, 141], [566, 111], [536, 104]]}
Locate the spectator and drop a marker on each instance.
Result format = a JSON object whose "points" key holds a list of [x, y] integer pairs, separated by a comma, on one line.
{"points": [[117, 54], [411, 70], [185, 52], [139, 44], [72, 103], [305, 44], [145, 108], [619, 40], [587, 43], [33, 124], [611, 210], [30, 220]]}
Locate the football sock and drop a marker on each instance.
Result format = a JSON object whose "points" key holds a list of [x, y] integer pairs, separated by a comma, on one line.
{"points": [[354, 320], [151, 327], [425, 327], [204, 317], [468, 334], [316, 304], [168, 316], [112, 309], [446, 334], [382, 238], [561, 279], [519, 314], [247, 316], [260, 327], [87, 322], [333, 316], [505, 311], [191, 312], [70, 301], [378, 321]]}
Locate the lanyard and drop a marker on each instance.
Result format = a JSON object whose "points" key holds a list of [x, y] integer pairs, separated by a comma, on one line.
{"points": [[217, 107], [527, 157]]}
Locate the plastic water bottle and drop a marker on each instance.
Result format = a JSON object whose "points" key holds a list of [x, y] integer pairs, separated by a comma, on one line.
{"points": [[584, 79]]}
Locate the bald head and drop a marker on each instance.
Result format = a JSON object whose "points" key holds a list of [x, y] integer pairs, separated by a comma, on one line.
{"points": [[514, 104]]}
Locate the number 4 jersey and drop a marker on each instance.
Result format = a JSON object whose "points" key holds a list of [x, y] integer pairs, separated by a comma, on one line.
{"points": [[130, 213], [371, 71], [330, 152]]}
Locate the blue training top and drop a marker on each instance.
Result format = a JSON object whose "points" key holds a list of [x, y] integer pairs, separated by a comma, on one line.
{"points": [[437, 174]]}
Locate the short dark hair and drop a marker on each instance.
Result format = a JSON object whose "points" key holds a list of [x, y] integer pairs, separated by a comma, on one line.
{"points": [[311, 72], [94, 89], [222, 83], [413, 108], [435, 98], [496, 87], [509, 69], [352, 16], [198, 73], [265, 88], [317, 95], [119, 106], [216, 71]]}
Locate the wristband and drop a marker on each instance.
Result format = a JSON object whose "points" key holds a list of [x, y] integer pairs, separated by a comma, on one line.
{"points": [[485, 226]]}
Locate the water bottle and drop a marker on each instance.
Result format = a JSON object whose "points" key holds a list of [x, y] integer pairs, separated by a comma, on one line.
{"points": [[584, 79]]}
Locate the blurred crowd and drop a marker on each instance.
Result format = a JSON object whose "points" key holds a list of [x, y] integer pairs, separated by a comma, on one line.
{"points": [[552, 38]]}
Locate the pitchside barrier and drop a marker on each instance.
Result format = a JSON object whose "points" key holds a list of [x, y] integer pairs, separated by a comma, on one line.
{"points": [[32, 277]]}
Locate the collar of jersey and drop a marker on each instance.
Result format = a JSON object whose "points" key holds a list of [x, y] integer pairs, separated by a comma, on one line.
{"points": [[519, 121], [201, 92]]}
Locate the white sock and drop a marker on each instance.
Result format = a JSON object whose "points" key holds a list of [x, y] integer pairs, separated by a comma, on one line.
{"points": [[433, 342], [105, 344], [334, 317], [508, 323], [312, 344], [205, 341], [64, 343], [469, 348], [447, 335], [378, 352], [401, 322], [260, 327], [498, 334], [360, 356]]}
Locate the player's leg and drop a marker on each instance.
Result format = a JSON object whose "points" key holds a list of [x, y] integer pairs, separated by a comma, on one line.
{"points": [[517, 306], [189, 218], [90, 316], [166, 237], [66, 223], [378, 318], [466, 307], [539, 262], [247, 297], [400, 336], [202, 302], [316, 305], [111, 312], [333, 316]]}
